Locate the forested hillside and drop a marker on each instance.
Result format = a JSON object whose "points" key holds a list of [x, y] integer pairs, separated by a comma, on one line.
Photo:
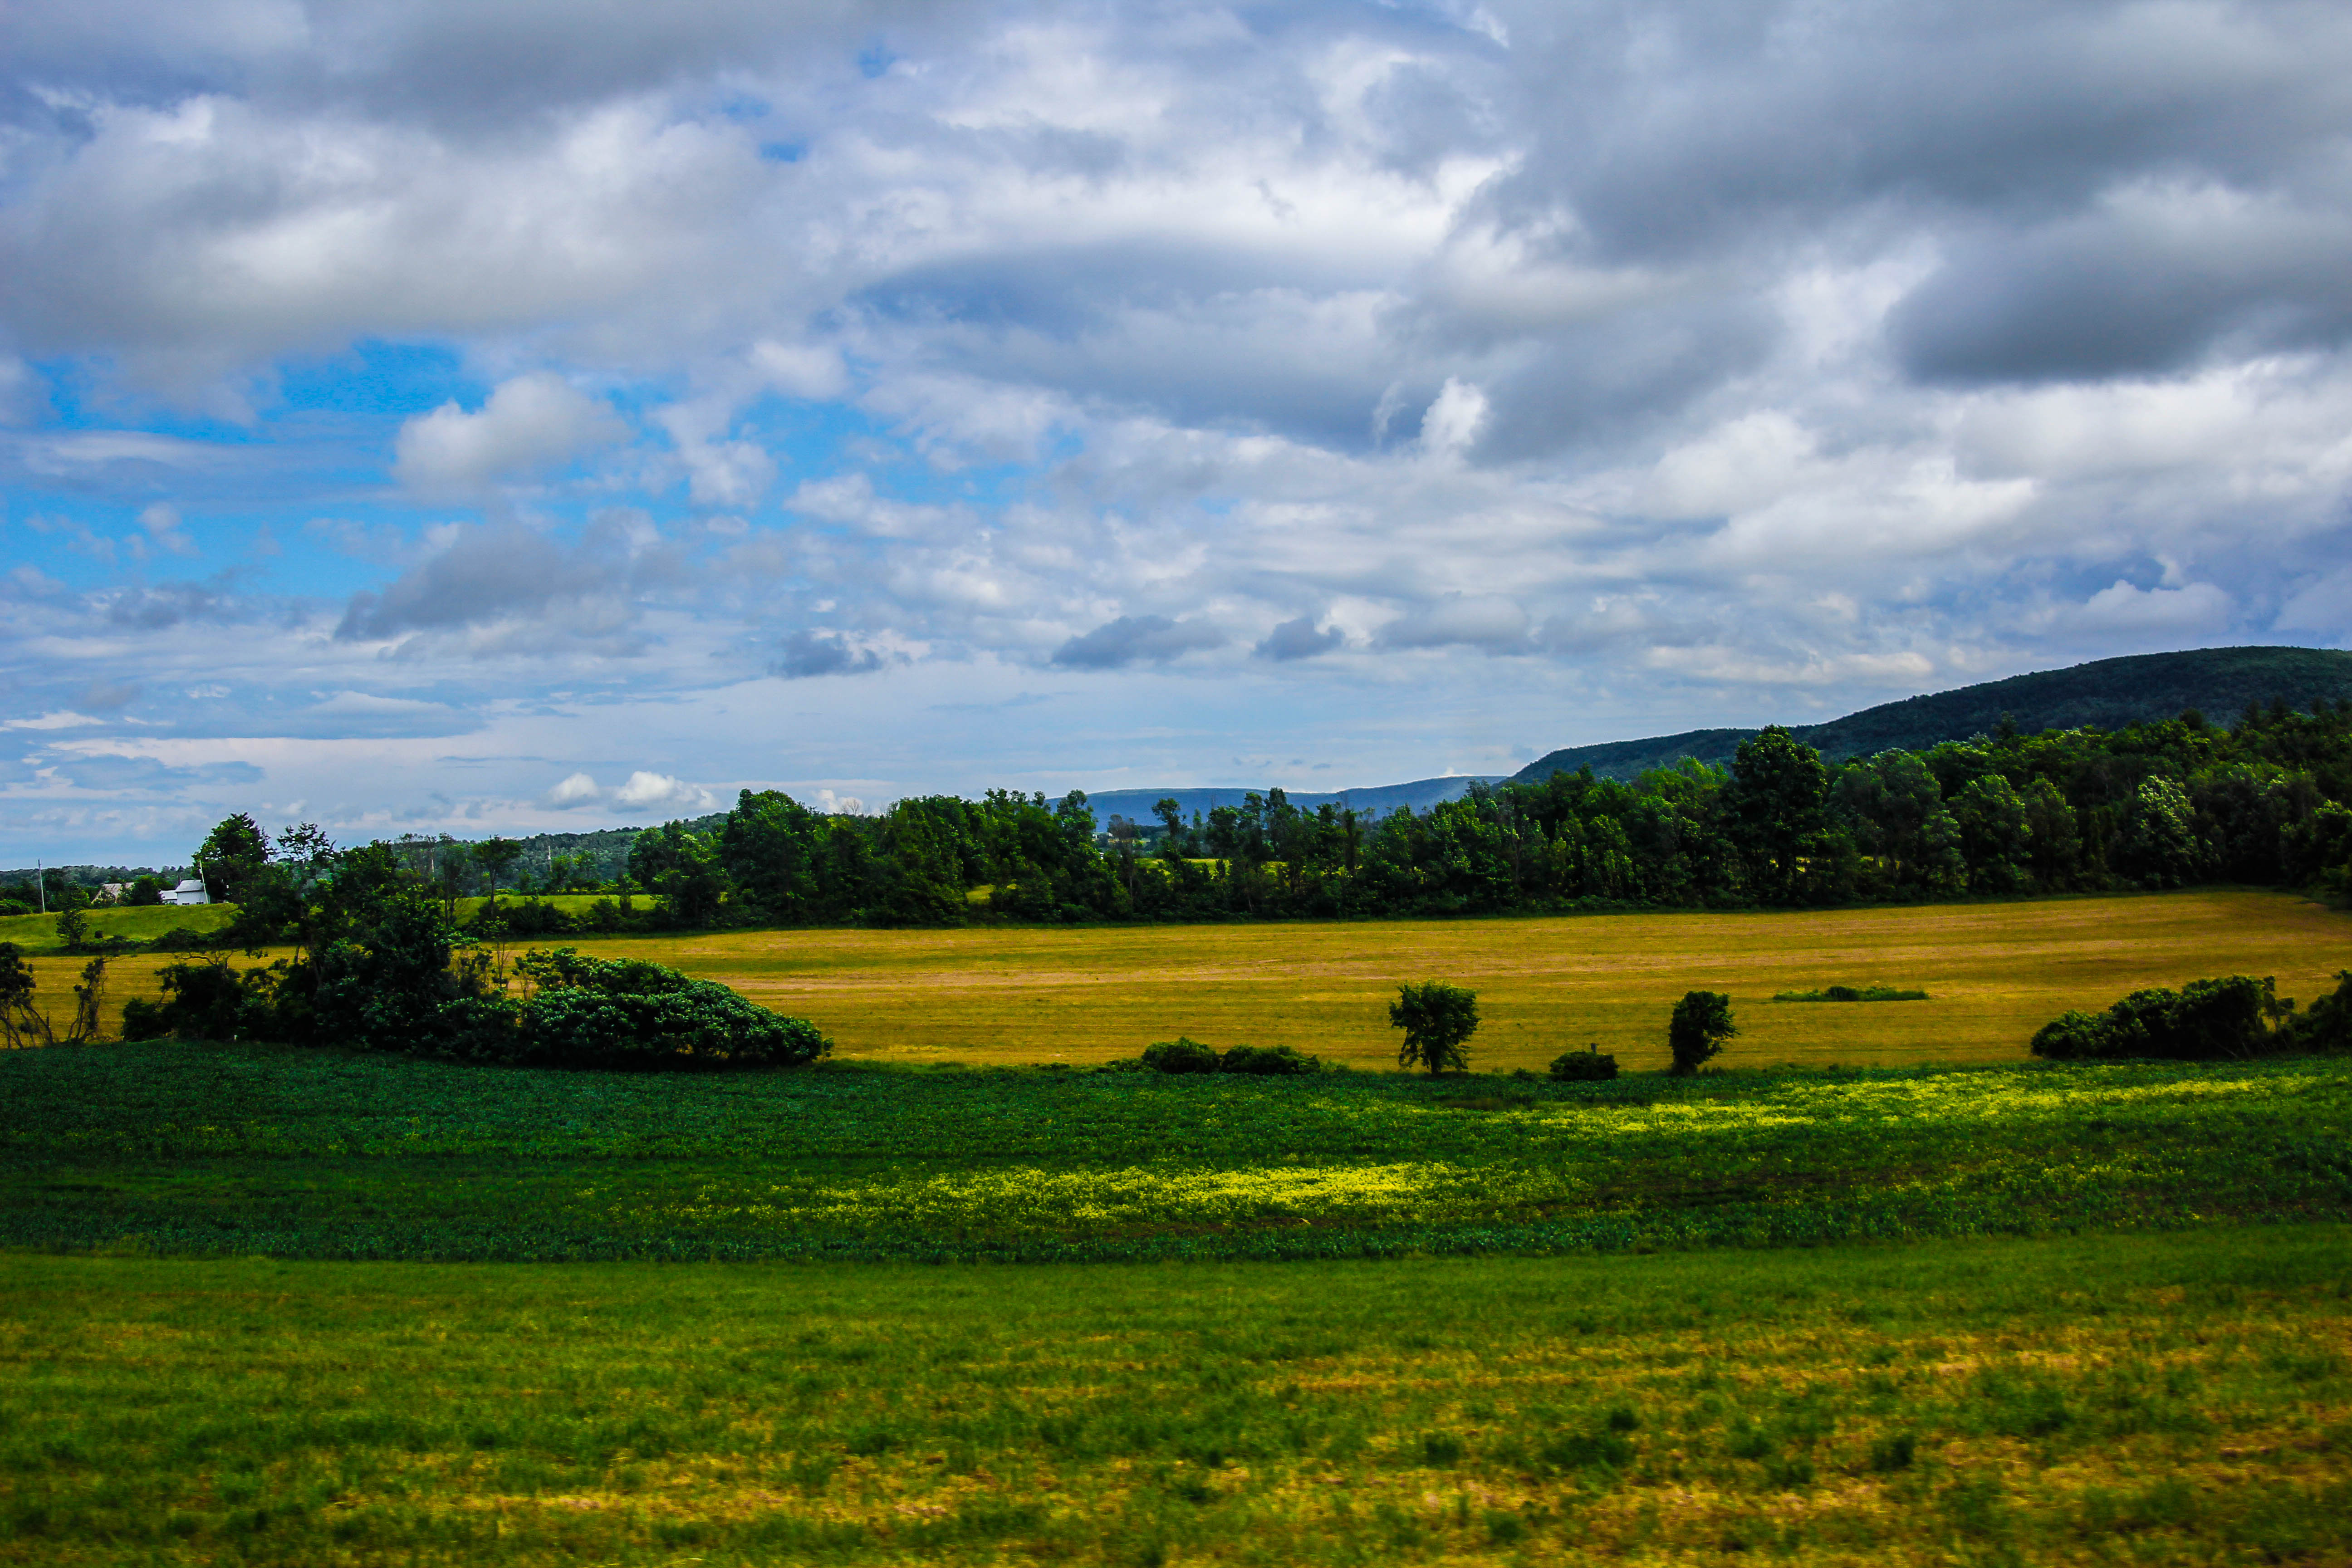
{"points": [[2221, 682]]}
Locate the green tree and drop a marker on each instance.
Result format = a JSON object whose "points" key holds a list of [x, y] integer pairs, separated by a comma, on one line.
{"points": [[1775, 801], [1701, 1023], [497, 857], [1997, 833], [235, 853], [1438, 1020]]}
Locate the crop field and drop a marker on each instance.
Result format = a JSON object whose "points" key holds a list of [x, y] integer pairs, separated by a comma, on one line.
{"points": [[2175, 1398], [178, 1148], [1995, 973]]}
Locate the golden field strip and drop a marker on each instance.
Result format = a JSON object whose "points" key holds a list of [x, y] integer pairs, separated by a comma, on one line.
{"points": [[1996, 972]]}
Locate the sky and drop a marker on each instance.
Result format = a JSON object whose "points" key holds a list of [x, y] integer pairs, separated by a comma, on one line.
{"points": [[496, 415]]}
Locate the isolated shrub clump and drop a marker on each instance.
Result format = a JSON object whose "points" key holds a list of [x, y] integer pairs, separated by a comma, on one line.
{"points": [[1588, 1066], [1182, 1055], [1701, 1023], [2230, 1019], [598, 1011], [1852, 993]]}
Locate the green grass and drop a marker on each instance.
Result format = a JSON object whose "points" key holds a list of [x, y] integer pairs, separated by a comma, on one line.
{"points": [[2177, 1398], [206, 1148], [38, 934]]}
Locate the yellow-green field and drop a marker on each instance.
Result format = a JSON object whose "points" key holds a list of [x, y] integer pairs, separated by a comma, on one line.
{"points": [[1995, 973], [2094, 1400]]}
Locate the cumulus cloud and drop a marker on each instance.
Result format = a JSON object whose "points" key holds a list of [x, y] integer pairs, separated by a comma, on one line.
{"points": [[1717, 362], [528, 425], [1300, 638], [575, 790], [1130, 639], [642, 791]]}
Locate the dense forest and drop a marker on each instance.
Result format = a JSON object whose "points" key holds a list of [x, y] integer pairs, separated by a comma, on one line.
{"points": [[2150, 806]]}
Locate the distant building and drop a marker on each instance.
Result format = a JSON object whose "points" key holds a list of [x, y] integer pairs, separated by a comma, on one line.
{"points": [[113, 892], [188, 892]]}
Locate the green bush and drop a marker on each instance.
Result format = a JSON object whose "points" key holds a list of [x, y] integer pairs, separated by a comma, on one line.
{"points": [[1181, 1055], [595, 1012], [1583, 1067], [2206, 1020], [1268, 1061]]}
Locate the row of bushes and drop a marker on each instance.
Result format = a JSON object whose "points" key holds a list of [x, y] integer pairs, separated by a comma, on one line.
{"points": [[576, 1011], [1182, 1055], [2231, 1018]]}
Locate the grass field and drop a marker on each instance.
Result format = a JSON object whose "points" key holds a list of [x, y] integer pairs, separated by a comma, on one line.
{"points": [[1998, 972], [2174, 1399], [306, 1153]]}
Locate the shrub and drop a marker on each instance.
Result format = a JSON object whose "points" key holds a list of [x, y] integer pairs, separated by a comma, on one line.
{"points": [[1437, 1019], [1268, 1061], [1701, 1023], [1588, 1066], [2206, 1020], [1181, 1055], [1852, 993], [595, 1012]]}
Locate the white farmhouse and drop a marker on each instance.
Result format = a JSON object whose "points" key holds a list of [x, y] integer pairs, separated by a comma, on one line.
{"points": [[191, 891]]}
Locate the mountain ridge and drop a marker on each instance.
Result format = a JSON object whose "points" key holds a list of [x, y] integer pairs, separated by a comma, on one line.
{"points": [[2106, 693]]}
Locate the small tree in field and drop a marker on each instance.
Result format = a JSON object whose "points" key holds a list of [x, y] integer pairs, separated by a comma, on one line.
{"points": [[1436, 1019], [1702, 1022]]}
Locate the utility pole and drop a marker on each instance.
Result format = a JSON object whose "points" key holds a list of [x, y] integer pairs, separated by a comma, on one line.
{"points": [[41, 880]]}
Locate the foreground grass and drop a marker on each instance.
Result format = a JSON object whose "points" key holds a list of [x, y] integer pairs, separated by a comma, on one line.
{"points": [[2182, 1399], [235, 1149]]}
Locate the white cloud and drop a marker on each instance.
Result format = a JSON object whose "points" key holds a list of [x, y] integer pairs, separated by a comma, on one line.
{"points": [[642, 791], [2199, 608], [528, 425], [1455, 418], [67, 719]]}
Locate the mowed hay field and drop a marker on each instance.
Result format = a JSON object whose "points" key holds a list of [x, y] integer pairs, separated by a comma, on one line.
{"points": [[1996, 972]]}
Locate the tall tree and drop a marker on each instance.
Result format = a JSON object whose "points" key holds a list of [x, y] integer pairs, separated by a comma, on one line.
{"points": [[1776, 798]]}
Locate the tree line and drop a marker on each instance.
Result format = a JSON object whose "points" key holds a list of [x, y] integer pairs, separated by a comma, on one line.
{"points": [[2267, 800], [2161, 805]]}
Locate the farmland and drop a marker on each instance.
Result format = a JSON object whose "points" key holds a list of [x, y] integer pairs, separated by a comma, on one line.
{"points": [[2175, 1398], [214, 1148], [1995, 973]]}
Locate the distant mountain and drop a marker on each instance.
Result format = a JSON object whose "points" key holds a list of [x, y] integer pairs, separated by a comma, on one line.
{"points": [[1379, 800], [2107, 694]]}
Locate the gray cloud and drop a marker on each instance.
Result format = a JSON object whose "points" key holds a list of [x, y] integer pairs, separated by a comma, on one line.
{"points": [[1132, 639], [1300, 638], [509, 572], [805, 654], [1490, 622]]}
